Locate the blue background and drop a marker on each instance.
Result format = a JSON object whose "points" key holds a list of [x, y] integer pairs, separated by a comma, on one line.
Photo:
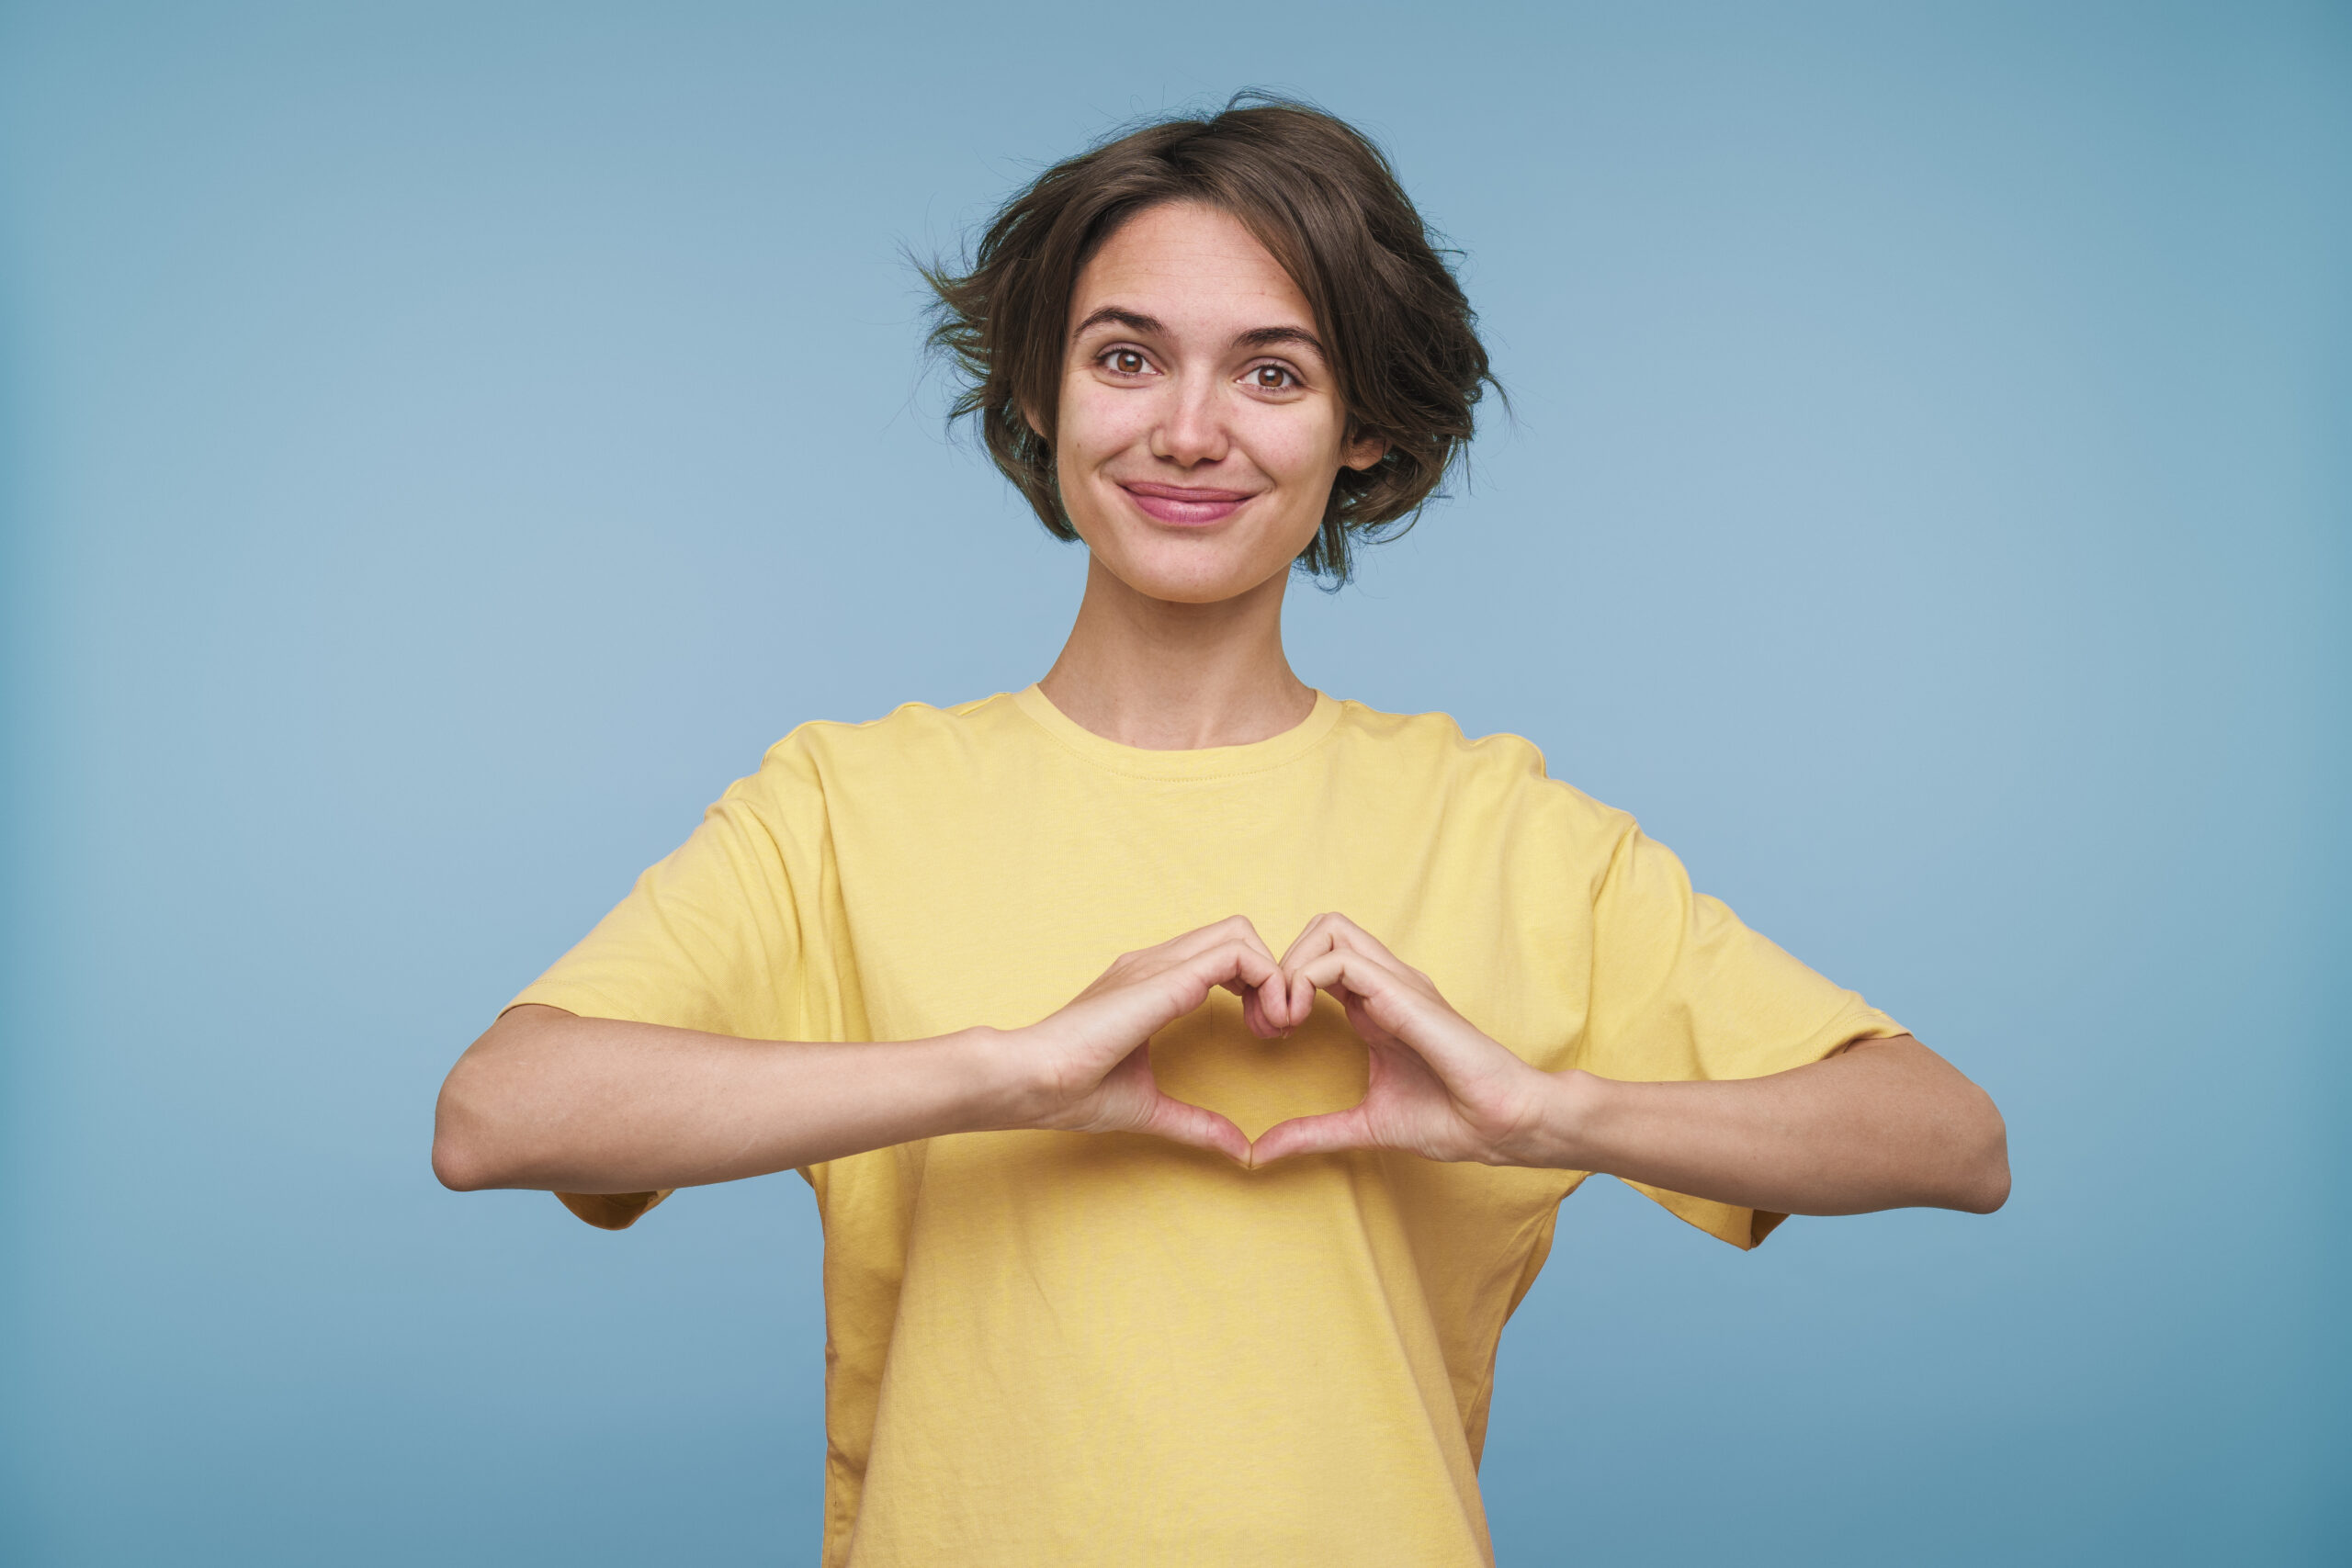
{"points": [[441, 445]]}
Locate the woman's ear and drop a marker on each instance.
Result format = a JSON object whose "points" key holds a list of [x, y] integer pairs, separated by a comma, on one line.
{"points": [[1029, 417], [1363, 451]]}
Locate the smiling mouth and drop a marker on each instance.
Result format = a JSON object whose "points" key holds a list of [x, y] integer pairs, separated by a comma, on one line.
{"points": [[1184, 506]]}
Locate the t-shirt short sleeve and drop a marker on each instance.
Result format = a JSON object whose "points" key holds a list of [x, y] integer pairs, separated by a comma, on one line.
{"points": [[708, 939], [1682, 991]]}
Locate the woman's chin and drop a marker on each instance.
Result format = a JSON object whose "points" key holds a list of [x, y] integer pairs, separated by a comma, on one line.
{"points": [[1193, 576], [1186, 566]]}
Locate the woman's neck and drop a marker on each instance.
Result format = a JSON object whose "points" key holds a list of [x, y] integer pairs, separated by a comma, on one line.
{"points": [[1163, 676]]}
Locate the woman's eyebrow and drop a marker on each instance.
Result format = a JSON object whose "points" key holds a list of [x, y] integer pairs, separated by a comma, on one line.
{"points": [[1269, 337], [1255, 337], [1134, 320]]}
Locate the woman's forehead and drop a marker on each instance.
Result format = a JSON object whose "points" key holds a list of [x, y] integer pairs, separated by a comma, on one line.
{"points": [[1188, 267]]}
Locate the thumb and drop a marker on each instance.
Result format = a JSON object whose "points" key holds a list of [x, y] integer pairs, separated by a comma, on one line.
{"points": [[1327, 1134], [1197, 1126]]}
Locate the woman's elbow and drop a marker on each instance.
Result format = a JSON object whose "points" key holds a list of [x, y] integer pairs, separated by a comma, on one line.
{"points": [[465, 1155], [1986, 1182], [486, 1102], [457, 1163], [458, 1167]]}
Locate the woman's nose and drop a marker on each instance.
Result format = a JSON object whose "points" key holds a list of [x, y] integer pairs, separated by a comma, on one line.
{"points": [[1191, 430]]}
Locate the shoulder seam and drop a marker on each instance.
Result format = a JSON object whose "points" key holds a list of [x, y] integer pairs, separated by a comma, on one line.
{"points": [[954, 710]]}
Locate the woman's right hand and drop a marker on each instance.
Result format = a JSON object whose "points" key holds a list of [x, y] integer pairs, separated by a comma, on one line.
{"points": [[1087, 1068], [601, 1106]]}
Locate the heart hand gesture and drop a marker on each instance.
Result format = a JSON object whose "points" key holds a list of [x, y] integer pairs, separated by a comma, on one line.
{"points": [[1438, 1087], [1088, 1066]]}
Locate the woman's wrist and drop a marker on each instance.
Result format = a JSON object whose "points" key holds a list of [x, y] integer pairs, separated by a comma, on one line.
{"points": [[1565, 1134], [1002, 1088]]}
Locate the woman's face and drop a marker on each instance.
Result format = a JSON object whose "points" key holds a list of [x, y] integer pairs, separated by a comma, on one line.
{"points": [[1200, 430]]}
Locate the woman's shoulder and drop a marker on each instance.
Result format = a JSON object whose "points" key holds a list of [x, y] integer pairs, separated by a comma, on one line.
{"points": [[1502, 765], [912, 724], [913, 737]]}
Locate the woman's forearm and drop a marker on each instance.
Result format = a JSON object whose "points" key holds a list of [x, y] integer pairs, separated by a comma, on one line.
{"points": [[549, 1100], [585, 1105], [1882, 1124]]}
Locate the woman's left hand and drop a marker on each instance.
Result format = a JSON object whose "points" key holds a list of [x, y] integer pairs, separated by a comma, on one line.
{"points": [[1438, 1087], [1879, 1123]]}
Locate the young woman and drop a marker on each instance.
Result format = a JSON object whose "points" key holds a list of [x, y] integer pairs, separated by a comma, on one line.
{"points": [[1202, 1257]]}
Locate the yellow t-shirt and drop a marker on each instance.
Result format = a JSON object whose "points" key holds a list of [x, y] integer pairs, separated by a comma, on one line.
{"points": [[1066, 1348]]}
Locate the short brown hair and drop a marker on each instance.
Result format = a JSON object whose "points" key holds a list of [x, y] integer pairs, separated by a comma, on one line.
{"points": [[1323, 200]]}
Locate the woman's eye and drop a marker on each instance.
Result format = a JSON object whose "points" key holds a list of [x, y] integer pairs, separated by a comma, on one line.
{"points": [[1127, 362], [1271, 378]]}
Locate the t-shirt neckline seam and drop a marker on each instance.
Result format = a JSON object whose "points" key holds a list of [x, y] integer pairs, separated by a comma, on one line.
{"points": [[1115, 757]]}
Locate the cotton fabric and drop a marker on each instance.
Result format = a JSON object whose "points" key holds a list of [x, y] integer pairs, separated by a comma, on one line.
{"points": [[1058, 1347]]}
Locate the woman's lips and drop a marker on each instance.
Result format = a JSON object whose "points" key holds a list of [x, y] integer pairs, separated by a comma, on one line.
{"points": [[1184, 506]]}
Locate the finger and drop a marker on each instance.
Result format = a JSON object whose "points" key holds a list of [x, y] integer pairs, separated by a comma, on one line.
{"points": [[1314, 939], [1236, 965], [1268, 1006], [1328, 931], [1209, 941], [1298, 994], [1245, 969], [1230, 929], [1299, 991], [1182, 1122], [1467, 1064], [1179, 949], [1351, 970], [1327, 1134], [1336, 931], [1129, 1007], [1385, 1007], [1258, 1006], [1266, 1021], [1325, 934]]}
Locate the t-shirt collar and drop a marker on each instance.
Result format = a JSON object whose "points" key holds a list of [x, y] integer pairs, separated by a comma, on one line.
{"points": [[1202, 762]]}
